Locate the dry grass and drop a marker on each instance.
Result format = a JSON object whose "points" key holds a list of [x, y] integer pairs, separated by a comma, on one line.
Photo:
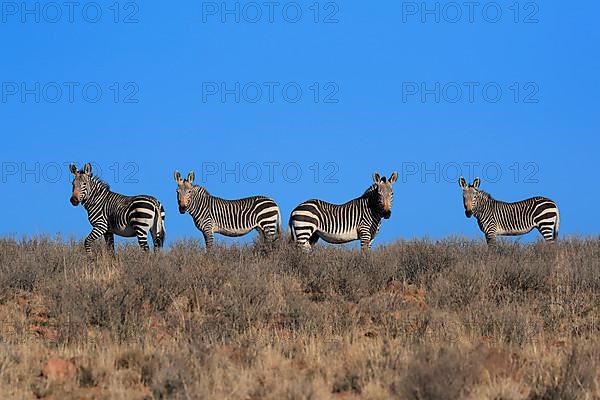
{"points": [[412, 320]]}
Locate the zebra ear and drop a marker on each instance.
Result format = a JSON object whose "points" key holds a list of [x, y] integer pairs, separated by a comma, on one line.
{"points": [[191, 177], [73, 169], [376, 177], [462, 182], [476, 183], [177, 176], [393, 177], [87, 169]]}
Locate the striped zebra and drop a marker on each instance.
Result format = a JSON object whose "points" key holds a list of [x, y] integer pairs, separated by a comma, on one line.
{"points": [[358, 219], [497, 218], [227, 217], [112, 213]]}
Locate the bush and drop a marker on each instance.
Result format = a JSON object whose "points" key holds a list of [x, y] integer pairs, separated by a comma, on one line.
{"points": [[414, 319]]}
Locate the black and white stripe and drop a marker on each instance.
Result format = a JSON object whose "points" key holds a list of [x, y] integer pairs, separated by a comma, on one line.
{"points": [[358, 219], [227, 217], [112, 213], [498, 218]]}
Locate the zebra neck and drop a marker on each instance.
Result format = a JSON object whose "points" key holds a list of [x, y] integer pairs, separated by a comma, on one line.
{"points": [[372, 205], [199, 202], [372, 202], [97, 194], [484, 200]]}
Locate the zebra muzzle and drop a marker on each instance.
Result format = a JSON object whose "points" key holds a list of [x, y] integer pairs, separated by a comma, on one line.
{"points": [[74, 201]]}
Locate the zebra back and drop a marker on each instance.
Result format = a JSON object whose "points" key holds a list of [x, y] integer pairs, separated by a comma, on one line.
{"points": [[516, 218]]}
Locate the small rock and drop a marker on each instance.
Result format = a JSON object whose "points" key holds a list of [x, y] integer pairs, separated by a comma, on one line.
{"points": [[58, 369]]}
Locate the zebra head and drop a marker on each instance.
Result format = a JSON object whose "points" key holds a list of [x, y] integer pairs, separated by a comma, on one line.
{"points": [[470, 193], [184, 191], [384, 193], [81, 183]]}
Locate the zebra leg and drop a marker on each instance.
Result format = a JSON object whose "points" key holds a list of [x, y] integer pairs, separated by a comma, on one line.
{"points": [[306, 243], [97, 231], [208, 239], [109, 238], [490, 238], [365, 239], [305, 236], [156, 240], [547, 231], [142, 237], [268, 231], [313, 239], [264, 235]]}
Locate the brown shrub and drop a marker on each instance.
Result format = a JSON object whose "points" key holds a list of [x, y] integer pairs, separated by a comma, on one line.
{"points": [[414, 319]]}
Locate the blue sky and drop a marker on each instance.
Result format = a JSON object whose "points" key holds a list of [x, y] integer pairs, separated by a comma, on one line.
{"points": [[502, 92]]}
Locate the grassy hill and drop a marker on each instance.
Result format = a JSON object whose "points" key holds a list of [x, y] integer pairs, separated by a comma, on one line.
{"points": [[411, 320]]}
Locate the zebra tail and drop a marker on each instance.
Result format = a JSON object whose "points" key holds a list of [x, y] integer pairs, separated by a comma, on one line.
{"points": [[557, 224], [279, 223], [292, 238], [160, 223]]}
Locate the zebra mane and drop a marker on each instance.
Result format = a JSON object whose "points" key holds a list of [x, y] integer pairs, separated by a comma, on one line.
{"points": [[201, 189], [98, 182], [484, 194], [369, 191]]}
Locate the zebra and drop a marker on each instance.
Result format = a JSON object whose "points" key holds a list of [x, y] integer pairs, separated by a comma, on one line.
{"points": [[358, 219], [231, 218], [497, 218], [112, 213]]}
